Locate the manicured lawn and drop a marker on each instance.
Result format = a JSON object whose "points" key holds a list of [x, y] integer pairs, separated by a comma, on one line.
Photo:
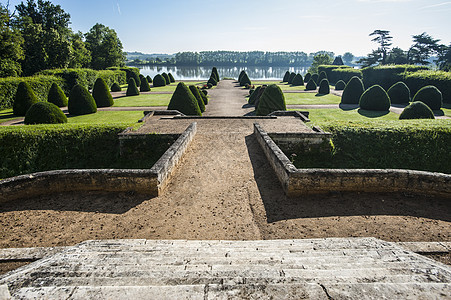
{"points": [[7, 115], [143, 100], [107, 117], [310, 98], [283, 85], [318, 116], [169, 88]]}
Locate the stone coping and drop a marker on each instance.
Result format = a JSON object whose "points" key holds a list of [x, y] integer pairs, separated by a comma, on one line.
{"points": [[297, 182], [148, 181]]}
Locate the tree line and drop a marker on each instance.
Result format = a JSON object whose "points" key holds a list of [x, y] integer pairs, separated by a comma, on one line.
{"points": [[36, 36]]}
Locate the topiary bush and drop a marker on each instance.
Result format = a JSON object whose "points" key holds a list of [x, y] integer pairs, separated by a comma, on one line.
{"points": [[203, 95], [307, 77], [24, 99], [315, 78], [149, 79], [132, 89], [101, 94], [116, 87], [44, 113], [215, 71], [311, 85], [324, 88], [166, 78], [253, 96], [57, 96], [352, 92], [375, 98], [399, 93], [416, 110], [286, 76], [271, 100], [338, 61], [291, 78], [245, 80], [298, 80], [135, 77], [340, 85], [322, 75], [171, 78], [241, 75], [159, 80], [429, 95], [212, 81], [144, 87], [81, 101], [198, 97], [184, 101]]}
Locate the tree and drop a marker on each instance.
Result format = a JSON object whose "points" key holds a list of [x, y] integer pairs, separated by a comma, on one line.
{"points": [[383, 38], [80, 55], [373, 58], [347, 58], [444, 58], [397, 56], [424, 46], [105, 47], [320, 59], [11, 41]]}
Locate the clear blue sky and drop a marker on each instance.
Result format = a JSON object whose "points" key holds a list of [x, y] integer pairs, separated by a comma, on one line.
{"points": [[269, 25]]}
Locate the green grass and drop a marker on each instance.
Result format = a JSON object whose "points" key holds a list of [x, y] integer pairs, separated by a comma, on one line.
{"points": [[7, 115], [319, 116], [310, 98], [143, 100], [107, 117], [283, 85]]}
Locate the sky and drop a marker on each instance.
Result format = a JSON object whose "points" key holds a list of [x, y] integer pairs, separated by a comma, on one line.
{"points": [[340, 26]]}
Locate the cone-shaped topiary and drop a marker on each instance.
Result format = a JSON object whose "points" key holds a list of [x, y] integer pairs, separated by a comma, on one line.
{"points": [[101, 94], [353, 90], [81, 101], [141, 77], [159, 80], [399, 93], [307, 77], [241, 75], [259, 95], [254, 95], [375, 98], [431, 96], [57, 96], [416, 110], [132, 89], [198, 97], [298, 80], [214, 76], [115, 87], [215, 71], [184, 101], [245, 80], [212, 81], [203, 95], [271, 100], [135, 77], [149, 79], [340, 85], [166, 78], [311, 85], [322, 75], [24, 99], [44, 113], [171, 78], [144, 87], [286, 76], [324, 88], [338, 61], [315, 78], [291, 78]]}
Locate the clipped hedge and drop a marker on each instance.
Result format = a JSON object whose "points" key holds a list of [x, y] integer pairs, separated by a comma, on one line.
{"points": [[399, 93], [311, 85], [241, 75], [335, 73], [322, 75], [159, 80], [171, 78], [298, 80], [271, 100], [307, 77], [101, 94], [166, 78], [115, 87], [324, 88], [130, 72], [198, 97], [291, 78], [375, 98], [430, 96], [149, 79], [81, 102], [340, 85], [57, 96], [416, 110], [184, 101], [203, 94], [388, 75], [245, 80], [352, 92], [144, 87], [44, 113], [315, 78], [440, 79], [215, 71], [286, 76], [254, 95], [24, 99], [132, 89]]}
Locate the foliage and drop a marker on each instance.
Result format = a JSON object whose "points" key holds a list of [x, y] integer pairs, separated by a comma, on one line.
{"points": [[383, 38], [338, 61], [416, 110], [171, 78], [241, 75], [352, 92], [57, 96], [307, 77], [271, 100], [324, 88], [291, 78], [315, 78], [386, 76], [24, 99], [439, 79], [348, 57], [184, 101], [397, 56], [132, 89], [11, 51], [430, 96], [80, 55], [286, 76], [144, 86], [424, 46], [340, 85], [215, 71], [130, 72], [81, 102], [212, 81], [444, 59], [166, 78], [254, 95], [159, 80], [203, 94], [101, 94], [115, 87], [375, 98], [322, 75], [245, 80], [311, 85], [198, 97], [333, 74], [44, 113], [298, 80], [320, 59], [149, 79], [399, 93]]}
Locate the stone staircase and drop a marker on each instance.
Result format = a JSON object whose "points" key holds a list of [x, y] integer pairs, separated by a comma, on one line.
{"points": [[334, 268]]}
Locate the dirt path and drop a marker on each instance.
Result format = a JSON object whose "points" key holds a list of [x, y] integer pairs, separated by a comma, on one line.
{"points": [[227, 100]]}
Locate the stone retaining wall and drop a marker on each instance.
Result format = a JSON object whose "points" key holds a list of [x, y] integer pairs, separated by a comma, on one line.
{"points": [[307, 181]]}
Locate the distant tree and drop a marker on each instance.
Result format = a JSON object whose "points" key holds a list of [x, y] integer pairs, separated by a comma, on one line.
{"points": [[444, 58], [424, 46], [105, 47], [397, 56], [383, 38], [11, 41], [320, 59], [347, 58], [373, 58], [80, 55]]}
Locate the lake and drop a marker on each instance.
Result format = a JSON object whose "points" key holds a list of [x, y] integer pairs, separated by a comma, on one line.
{"points": [[203, 73]]}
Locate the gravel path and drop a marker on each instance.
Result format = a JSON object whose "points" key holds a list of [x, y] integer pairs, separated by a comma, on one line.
{"points": [[227, 100]]}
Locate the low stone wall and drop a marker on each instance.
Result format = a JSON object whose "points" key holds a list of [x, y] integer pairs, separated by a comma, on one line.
{"points": [[148, 181], [297, 182]]}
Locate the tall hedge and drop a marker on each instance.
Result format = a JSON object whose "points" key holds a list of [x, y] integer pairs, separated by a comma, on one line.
{"points": [[344, 74], [159, 80], [387, 75], [430, 96], [184, 101], [166, 78], [352, 92], [416, 110], [271, 100], [440, 79], [132, 89], [81, 101], [24, 99], [128, 73], [44, 113], [375, 98], [324, 87], [198, 97], [298, 80], [286, 76], [399, 93], [245, 80], [144, 87], [322, 75], [57, 96]]}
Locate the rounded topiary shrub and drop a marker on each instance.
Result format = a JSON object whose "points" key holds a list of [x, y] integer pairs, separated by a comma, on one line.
{"points": [[149, 79], [298, 80], [115, 87], [286, 76], [44, 113], [416, 110], [315, 78], [259, 95], [101, 94], [245, 80], [375, 98], [212, 81], [203, 95], [144, 87], [322, 75], [253, 96], [307, 77], [24, 99], [132, 89], [205, 92], [291, 78], [271, 100], [241, 75], [324, 88], [198, 97], [184, 101], [340, 85], [353, 90], [431, 96], [399, 93], [81, 101], [311, 85], [171, 78], [57, 96], [166, 78], [159, 80]]}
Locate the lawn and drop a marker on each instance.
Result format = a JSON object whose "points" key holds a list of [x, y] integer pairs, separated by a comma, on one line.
{"points": [[318, 116], [143, 100], [169, 88], [107, 117], [310, 98], [283, 85]]}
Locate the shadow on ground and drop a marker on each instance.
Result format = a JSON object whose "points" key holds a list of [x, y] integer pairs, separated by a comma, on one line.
{"points": [[372, 113], [348, 106]]}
